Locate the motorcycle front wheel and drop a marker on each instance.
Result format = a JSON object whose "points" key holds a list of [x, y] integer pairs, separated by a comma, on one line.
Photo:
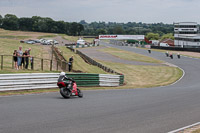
{"points": [[65, 92]]}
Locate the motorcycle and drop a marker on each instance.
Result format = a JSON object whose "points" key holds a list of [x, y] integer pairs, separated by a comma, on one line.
{"points": [[69, 88]]}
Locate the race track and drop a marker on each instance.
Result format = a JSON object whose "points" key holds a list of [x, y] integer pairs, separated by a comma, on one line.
{"points": [[147, 110]]}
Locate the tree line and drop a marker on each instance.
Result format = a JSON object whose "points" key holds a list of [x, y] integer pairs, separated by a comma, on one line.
{"points": [[40, 24], [46, 24]]}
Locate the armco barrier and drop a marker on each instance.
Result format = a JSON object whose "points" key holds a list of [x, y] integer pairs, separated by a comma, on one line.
{"points": [[26, 81], [83, 79], [84, 46]]}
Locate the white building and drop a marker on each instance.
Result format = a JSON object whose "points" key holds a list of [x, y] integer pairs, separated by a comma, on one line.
{"points": [[186, 34]]}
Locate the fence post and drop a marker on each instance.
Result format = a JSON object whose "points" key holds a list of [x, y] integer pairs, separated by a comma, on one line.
{"points": [[1, 62], [57, 66], [61, 64], [51, 65], [42, 64], [32, 63]]}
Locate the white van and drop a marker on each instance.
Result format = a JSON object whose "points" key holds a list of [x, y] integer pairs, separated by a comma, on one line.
{"points": [[81, 41]]}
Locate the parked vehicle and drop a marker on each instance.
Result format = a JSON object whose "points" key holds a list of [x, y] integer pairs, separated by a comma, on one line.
{"points": [[69, 88], [30, 42], [81, 42], [164, 45]]}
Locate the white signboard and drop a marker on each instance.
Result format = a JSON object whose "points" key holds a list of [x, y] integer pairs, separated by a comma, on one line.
{"points": [[122, 37]]}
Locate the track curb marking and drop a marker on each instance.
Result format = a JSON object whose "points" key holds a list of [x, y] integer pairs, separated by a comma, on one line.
{"points": [[183, 128]]}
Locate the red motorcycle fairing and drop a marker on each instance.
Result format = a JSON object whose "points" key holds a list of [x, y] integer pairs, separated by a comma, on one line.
{"points": [[74, 90], [61, 84]]}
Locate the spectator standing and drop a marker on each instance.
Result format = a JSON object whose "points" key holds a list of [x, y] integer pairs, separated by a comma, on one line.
{"points": [[19, 57], [26, 59], [70, 64], [15, 59]]}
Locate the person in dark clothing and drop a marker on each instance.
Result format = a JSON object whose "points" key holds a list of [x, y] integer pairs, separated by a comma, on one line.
{"points": [[178, 55], [63, 78], [70, 64], [171, 56], [167, 54], [26, 59], [149, 50], [15, 59]]}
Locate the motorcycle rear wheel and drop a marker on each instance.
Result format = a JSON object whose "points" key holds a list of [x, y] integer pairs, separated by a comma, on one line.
{"points": [[65, 92]]}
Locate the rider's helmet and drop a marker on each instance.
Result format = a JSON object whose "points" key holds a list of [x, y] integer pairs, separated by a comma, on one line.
{"points": [[62, 73]]}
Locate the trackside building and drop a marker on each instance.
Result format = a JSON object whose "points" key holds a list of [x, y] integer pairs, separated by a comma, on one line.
{"points": [[186, 34]]}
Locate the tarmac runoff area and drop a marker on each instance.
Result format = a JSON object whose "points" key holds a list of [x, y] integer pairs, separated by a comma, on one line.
{"points": [[99, 55], [144, 110]]}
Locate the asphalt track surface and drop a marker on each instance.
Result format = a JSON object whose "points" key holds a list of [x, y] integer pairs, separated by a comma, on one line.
{"points": [[146, 110]]}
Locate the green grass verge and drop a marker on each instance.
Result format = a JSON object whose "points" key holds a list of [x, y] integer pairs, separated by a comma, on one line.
{"points": [[130, 55], [146, 76], [14, 37]]}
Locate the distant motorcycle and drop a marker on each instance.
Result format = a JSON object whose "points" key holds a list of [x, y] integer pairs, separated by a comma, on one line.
{"points": [[69, 88]]}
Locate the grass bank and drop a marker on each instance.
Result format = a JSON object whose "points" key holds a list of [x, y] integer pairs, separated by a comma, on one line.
{"points": [[130, 55], [79, 63], [146, 76]]}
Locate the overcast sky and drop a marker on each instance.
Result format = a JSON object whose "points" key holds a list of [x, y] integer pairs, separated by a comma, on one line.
{"points": [[146, 11]]}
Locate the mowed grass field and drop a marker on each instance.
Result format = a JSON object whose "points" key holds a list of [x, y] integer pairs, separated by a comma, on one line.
{"points": [[130, 55], [140, 76], [135, 76]]}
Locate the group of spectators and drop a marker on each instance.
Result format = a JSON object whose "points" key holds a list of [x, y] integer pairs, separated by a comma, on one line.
{"points": [[21, 59]]}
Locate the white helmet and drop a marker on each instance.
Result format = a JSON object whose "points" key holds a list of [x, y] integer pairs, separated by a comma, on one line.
{"points": [[62, 73]]}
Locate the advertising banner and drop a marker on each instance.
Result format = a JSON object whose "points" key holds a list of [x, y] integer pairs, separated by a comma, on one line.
{"points": [[122, 37]]}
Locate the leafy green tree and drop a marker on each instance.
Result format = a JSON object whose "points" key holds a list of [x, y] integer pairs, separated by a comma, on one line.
{"points": [[25, 24], [118, 30], [167, 36], [10, 22], [80, 28], [152, 36], [73, 28], [101, 31]]}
